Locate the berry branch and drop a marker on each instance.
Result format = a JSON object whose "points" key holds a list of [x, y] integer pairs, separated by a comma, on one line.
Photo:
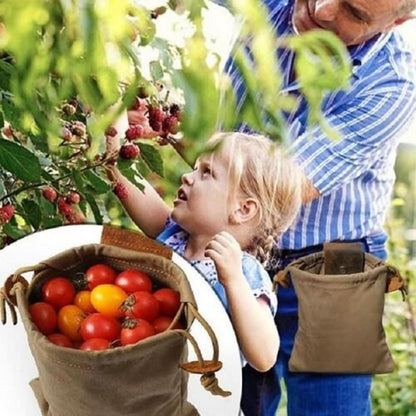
{"points": [[56, 180]]}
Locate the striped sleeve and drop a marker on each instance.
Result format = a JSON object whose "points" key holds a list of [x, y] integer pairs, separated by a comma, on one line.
{"points": [[367, 123]]}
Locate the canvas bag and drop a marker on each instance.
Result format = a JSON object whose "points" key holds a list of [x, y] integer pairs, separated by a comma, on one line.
{"points": [[145, 379], [340, 326]]}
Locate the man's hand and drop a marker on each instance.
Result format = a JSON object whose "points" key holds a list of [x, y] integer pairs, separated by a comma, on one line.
{"points": [[123, 123], [138, 116], [225, 251]]}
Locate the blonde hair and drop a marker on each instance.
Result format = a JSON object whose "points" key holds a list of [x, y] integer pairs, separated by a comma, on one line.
{"points": [[263, 171]]}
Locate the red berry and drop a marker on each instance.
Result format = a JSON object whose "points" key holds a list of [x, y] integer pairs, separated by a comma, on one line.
{"points": [[66, 134], [6, 213], [7, 131], [64, 208], [111, 131], [171, 124], [129, 151], [134, 132], [75, 218], [78, 128], [49, 194], [156, 117], [155, 125], [120, 190], [156, 113], [74, 197]]}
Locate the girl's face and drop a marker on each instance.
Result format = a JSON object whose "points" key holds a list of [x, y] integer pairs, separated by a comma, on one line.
{"points": [[202, 205]]}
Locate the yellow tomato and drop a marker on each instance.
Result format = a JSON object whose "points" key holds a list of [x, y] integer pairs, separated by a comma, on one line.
{"points": [[83, 301], [69, 321], [108, 300]]}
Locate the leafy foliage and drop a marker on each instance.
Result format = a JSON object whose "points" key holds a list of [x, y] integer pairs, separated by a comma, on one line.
{"points": [[69, 69], [394, 394]]}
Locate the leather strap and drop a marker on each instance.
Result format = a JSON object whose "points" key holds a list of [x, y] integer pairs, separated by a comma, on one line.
{"points": [[343, 258], [132, 240]]}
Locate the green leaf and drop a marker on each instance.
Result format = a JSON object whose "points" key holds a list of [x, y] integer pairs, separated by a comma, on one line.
{"points": [[142, 168], [11, 113], [3, 191], [51, 222], [78, 180], [152, 157], [6, 70], [32, 211], [13, 231], [39, 142], [94, 208], [46, 207], [19, 161], [127, 169], [99, 185], [156, 70], [83, 206], [47, 176], [146, 27]]}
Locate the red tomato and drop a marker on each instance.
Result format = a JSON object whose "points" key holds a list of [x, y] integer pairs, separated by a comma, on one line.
{"points": [[83, 301], [99, 274], [98, 325], [58, 291], [70, 318], [95, 344], [142, 305], [61, 340], [108, 299], [169, 301], [137, 330], [134, 280], [161, 323], [44, 317]]}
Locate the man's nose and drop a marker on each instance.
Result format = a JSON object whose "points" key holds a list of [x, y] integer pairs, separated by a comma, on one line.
{"points": [[187, 178], [326, 10]]}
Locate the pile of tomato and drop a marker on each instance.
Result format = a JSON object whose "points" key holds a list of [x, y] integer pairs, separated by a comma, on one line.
{"points": [[111, 309]]}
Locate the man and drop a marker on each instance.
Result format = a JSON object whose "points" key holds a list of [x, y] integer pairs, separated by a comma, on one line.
{"points": [[349, 182]]}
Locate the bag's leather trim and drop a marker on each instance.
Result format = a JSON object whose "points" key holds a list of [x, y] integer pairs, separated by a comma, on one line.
{"points": [[132, 240], [394, 282], [343, 258]]}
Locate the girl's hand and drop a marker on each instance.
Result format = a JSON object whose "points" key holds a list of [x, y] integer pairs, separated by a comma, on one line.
{"points": [[226, 253]]}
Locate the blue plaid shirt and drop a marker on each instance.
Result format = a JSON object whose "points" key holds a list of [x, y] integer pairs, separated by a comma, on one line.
{"points": [[355, 175]]}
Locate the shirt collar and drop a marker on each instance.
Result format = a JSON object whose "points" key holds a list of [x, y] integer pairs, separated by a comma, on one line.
{"points": [[363, 53]]}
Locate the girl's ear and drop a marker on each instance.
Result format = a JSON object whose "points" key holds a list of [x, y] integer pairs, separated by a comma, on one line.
{"points": [[245, 210]]}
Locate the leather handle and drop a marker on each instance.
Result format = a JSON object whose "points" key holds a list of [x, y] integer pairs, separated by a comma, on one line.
{"points": [[133, 240]]}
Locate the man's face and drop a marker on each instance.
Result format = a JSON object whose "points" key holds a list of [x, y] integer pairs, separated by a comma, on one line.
{"points": [[354, 21]]}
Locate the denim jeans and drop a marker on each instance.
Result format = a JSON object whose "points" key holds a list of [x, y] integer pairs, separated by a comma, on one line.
{"points": [[309, 394]]}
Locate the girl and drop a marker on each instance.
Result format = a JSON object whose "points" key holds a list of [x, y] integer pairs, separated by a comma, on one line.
{"points": [[240, 197]]}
